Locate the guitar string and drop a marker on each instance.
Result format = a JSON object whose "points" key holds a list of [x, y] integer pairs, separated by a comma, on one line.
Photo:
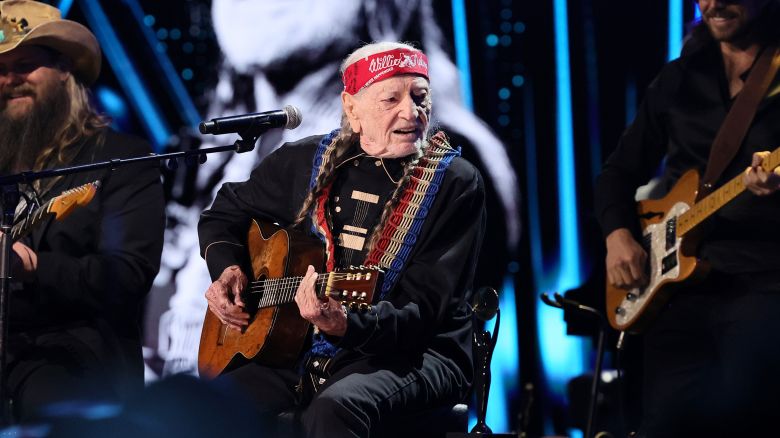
{"points": [[280, 290], [288, 282], [297, 279]]}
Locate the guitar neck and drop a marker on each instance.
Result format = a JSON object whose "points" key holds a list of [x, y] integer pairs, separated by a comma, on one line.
{"points": [[22, 228], [278, 291], [711, 203]]}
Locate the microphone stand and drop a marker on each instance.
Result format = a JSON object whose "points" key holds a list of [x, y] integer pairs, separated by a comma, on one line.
{"points": [[560, 302], [485, 308], [9, 188]]}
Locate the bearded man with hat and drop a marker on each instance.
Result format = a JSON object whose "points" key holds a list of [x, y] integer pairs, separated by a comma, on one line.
{"points": [[380, 190], [79, 283]]}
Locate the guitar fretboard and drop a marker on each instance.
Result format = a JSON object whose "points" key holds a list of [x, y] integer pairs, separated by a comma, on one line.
{"points": [[20, 229], [703, 209], [277, 291]]}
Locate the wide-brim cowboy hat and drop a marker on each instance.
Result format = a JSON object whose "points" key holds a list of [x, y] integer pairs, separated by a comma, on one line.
{"points": [[26, 22]]}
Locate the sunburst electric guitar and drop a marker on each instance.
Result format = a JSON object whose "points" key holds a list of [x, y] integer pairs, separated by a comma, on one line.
{"points": [[276, 331], [59, 207], [670, 235]]}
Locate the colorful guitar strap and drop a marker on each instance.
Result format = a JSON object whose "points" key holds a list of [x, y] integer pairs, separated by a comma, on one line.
{"points": [[398, 237]]}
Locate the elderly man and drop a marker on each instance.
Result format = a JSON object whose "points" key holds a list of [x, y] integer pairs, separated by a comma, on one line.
{"points": [[80, 282], [379, 190]]}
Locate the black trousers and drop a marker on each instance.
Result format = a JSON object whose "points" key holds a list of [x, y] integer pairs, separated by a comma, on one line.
{"points": [[45, 368], [712, 361], [357, 399]]}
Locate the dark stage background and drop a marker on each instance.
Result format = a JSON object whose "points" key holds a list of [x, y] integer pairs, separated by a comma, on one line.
{"points": [[536, 92]]}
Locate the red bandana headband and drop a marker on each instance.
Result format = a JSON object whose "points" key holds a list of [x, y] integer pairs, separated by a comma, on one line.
{"points": [[366, 71]]}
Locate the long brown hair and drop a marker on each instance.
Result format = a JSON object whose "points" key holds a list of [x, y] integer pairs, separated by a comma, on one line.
{"points": [[82, 121]]}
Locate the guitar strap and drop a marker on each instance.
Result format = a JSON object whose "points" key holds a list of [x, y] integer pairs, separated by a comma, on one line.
{"points": [[734, 127]]}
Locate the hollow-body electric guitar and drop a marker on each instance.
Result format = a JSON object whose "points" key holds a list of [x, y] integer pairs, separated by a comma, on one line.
{"points": [[670, 235], [276, 331]]}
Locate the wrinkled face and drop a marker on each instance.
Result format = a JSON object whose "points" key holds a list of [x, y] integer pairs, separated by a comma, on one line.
{"points": [[28, 74], [729, 20], [391, 116]]}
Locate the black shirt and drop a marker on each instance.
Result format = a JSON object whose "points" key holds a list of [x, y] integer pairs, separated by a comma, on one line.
{"points": [[678, 120], [362, 187]]}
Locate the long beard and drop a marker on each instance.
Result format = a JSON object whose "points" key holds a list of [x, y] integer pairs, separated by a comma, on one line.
{"points": [[23, 139]]}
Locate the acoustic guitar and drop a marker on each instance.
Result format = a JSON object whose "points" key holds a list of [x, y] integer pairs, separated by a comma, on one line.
{"points": [[276, 332], [59, 207], [670, 235]]}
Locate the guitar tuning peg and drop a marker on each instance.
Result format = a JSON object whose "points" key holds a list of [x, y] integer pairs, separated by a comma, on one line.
{"points": [[362, 267]]}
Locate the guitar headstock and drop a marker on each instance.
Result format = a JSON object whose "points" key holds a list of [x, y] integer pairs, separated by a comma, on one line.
{"points": [[64, 204], [355, 286]]}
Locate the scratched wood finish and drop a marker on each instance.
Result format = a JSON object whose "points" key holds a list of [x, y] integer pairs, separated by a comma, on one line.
{"points": [[275, 335]]}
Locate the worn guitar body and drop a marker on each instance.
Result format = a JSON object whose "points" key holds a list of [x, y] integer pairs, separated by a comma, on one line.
{"points": [[276, 332], [275, 335], [672, 259]]}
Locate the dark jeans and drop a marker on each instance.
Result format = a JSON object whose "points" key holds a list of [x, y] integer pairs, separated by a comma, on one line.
{"points": [[712, 361], [359, 396], [47, 368]]}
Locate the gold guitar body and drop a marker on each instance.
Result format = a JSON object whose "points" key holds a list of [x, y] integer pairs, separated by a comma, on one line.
{"points": [[672, 261]]}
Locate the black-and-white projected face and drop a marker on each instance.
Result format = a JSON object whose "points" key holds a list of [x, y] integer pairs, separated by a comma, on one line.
{"points": [[253, 33]]}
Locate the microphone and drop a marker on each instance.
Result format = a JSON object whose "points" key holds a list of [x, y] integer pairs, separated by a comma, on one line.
{"points": [[255, 123]]}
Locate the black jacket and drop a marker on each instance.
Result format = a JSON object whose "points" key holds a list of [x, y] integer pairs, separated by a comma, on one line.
{"points": [[96, 266]]}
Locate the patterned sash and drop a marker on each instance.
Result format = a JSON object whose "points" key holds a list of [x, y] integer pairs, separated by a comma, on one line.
{"points": [[398, 237]]}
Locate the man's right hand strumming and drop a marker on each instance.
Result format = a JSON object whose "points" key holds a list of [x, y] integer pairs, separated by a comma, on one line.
{"points": [[626, 260], [224, 297]]}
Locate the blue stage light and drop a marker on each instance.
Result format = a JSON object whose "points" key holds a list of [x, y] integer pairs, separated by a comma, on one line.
{"points": [[175, 86], [569, 275], [462, 60], [128, 77], [675, 29], [64, 7], [111, 102]]}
